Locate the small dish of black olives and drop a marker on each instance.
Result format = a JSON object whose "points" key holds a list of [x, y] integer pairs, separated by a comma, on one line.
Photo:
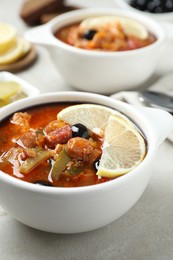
{"points": [[153, 6], [157, 9]]}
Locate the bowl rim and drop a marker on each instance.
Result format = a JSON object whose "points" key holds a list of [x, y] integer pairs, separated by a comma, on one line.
{"points": [[76, 96], [77, 15]]}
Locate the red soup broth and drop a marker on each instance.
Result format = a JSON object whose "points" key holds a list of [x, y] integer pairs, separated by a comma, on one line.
{"points": [[101, 40], [22, 134]]}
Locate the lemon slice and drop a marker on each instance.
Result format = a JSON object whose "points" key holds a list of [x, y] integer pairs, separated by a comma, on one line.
{"points": [[9, 89], [94, 117], [130, 27], [7, 37], [123, 149], [134, 28], [26, 47], [16, 52]]}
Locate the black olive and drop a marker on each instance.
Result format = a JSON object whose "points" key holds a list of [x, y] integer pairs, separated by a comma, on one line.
{"points": [[43, 183], [168, 6], [89, 34], [96, 164], [80, 130], [153, 6], [139, 4]]}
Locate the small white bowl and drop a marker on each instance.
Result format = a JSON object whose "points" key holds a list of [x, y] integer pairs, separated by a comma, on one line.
{"points": [[100, 71], [74, 210], [124, 4], [26, 88]]}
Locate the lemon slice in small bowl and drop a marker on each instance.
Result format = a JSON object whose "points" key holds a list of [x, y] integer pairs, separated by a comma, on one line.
{"points": [[13, 88], [130, 27], [8, 89]]}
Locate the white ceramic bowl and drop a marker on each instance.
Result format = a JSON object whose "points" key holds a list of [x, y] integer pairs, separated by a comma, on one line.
{"points": [[27, 88], [73, 210], [96, 71], [124, 4]]}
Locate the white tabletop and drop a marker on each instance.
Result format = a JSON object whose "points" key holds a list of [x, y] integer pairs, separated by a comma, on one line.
{"points": [[144, 233]]}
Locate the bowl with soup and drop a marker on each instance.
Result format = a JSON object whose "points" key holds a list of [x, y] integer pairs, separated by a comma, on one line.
{"points": [[72, 162], [96, 49]]}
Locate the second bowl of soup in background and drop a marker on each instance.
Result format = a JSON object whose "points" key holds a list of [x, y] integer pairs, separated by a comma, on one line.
{"points": [[100, 71]]}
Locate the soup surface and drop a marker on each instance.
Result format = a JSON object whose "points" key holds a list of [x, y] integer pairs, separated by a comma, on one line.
{"points": [[38, 146], [105, 34], [34, 131]]}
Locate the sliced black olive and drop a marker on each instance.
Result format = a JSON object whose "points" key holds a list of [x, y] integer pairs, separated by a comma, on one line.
{"points": [[88, 35], [43, 183], [96, 164], [80, 130]]}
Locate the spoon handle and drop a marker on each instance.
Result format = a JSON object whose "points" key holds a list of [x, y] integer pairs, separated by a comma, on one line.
{"points": [[156, 99]]}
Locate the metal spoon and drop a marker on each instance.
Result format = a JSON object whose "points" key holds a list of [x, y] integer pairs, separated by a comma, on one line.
{"points": [[156, 99]]}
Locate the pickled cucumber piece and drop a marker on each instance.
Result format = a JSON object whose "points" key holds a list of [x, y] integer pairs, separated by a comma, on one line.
{"points": [[60, 164], [30, 163]]}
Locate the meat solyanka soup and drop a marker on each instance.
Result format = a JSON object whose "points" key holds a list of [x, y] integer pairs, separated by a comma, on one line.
{"points": [[38, 146], [106, 33]]}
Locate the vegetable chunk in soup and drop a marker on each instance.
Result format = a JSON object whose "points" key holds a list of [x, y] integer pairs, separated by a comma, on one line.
{"points": [[37, 148], [106, 33], [38, 145]]}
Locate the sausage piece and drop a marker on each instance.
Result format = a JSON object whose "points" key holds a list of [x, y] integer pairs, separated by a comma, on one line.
{"points": [[58, 136], [28, 140], [21, 119], [53, 125], [82, 149]]}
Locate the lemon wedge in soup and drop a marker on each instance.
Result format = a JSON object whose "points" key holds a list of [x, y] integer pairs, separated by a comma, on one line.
{"points": [[124, 147], [94, 117], [130, 27]]}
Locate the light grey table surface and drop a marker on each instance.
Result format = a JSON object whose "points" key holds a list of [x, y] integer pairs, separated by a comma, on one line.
{"points": [[144, 233]]}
